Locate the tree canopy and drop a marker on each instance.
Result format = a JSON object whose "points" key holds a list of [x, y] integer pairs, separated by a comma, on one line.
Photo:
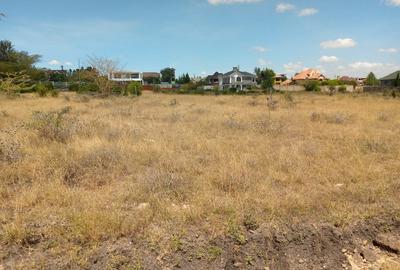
{"points": [[183, 79], [12, 60], [371, 80], [168, 75], [266, 77]]}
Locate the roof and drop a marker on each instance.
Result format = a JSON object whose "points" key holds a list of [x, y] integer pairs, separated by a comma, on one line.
{"points": [[214, 76], [240, 72], [151, 74], [347, 78], [309, 74], [391, 77]]}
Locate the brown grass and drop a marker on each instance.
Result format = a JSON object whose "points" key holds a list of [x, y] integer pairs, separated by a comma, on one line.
{"points": [[138, 167]]}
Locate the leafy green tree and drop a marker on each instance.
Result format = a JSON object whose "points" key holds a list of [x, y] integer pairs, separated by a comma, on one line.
{"points": [[266, 77], [58, 77], [6, 50], [168, 75], [184, 79], [12, 60], [371, 80]]}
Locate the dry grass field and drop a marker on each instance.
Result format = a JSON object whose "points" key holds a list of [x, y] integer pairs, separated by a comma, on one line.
{"points": [[164, 181]]}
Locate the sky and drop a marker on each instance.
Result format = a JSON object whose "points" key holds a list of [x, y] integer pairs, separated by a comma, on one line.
{"points": [[338, 37]]}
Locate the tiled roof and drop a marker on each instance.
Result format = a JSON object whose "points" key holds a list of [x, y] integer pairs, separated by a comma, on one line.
{"points": [[309, 74]]}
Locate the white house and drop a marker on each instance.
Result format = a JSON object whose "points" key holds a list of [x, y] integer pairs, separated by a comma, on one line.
{"points": [[126, 76], [240, 80]]}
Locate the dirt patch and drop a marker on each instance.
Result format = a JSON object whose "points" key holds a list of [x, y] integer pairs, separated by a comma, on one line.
{"points": [[370, 245]]}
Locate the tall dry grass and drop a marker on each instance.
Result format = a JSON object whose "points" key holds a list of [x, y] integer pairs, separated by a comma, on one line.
{"points": [[79, 170]]}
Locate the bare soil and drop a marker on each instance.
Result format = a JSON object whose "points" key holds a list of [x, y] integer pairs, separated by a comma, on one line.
{"points": [[374, 244]]}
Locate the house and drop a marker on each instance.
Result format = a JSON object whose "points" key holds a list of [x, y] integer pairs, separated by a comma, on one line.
{"points": [[280, 78], [215, 79], [240, 80], [308, 75], [126, 76], [391, 79], [350, 80], [151, 77]]}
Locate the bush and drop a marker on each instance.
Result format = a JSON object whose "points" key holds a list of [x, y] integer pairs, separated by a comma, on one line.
{"points": [[43, 89], [83, 87], [73, 87], [342, 89], [134, 88], [55, 125], [120, 90], [54, 93], [313, 86]]}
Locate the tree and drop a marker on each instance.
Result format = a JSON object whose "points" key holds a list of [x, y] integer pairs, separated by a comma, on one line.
{"points": [[101, 68], [265, 77], [6, 50], [371, 80], [12, 60], [168, 75], [184, 79], [102, 65]]}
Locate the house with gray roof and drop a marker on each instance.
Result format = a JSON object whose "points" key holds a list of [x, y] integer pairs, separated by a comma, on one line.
{"points": [[390, 80], [240, 80]]}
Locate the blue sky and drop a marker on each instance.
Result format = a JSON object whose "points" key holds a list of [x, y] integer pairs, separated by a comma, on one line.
{"points": [[339, 37]]}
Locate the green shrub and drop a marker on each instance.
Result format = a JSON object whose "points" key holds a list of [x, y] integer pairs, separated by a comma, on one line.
{"points": [[43, 89], [73, 87], [313, 86], [232, 90], [120, 90], [54, 93], [135, 88], [342, 89], [83, 87], [89, 87]]}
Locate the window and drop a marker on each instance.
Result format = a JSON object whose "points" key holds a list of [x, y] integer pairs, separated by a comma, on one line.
{"points": [[238, 79], [134, 76], [117, 75]]}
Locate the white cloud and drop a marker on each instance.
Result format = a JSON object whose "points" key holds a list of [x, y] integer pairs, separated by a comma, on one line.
{"points": [[68, 63], [362, 68], [294, 67], [388, 50], [328, 59], [54, 63], [395, 3], [338, 43], [260, 49], [365, 65], [282, 7], [228, 2], [308, 12]]}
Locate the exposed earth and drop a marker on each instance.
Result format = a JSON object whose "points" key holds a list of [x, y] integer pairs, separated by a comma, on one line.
{"points": [[371, 245]]}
